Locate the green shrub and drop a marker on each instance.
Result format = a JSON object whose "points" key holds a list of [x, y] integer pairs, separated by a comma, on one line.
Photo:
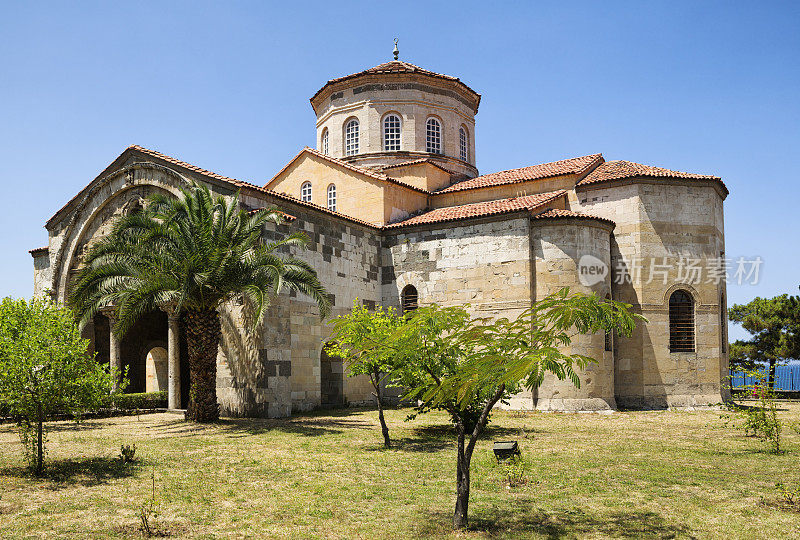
{"points": [[145, 400]]}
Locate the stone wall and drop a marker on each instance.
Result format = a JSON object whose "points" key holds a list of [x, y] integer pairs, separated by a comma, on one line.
{"points": [[659, 223], [558, 247]]}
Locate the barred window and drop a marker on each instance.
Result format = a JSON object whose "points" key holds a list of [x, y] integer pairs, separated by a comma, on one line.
{"points": [[324, 145], [433, 131], [463, 144], [681, 322], [409, 298], [305, 192], [391, 133], [351, 138], [332, 198]]}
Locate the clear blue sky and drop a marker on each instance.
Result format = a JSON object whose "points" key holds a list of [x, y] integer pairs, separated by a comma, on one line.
{"points": [[707, 87]]}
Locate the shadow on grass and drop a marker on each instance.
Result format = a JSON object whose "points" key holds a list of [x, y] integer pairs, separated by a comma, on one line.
{"points": [[82, 472], [433, 438], [306, 426], [520, 519]]}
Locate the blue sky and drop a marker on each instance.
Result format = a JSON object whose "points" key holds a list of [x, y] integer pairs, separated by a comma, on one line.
{"points": [[707, 87]]}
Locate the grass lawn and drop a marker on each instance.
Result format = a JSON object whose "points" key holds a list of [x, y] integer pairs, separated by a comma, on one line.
{"points": [[325, 475]]}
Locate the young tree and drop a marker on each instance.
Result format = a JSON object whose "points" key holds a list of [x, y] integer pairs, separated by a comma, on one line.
{"points": [[362, 339], [45, 370], [774, 324], [192, 254], [465, 366]]}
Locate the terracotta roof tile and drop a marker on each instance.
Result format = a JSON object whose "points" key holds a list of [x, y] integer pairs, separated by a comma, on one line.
{"points": [[397, 66], [502, 206], [576, 165], [416, 162], [38, 250], [344, 164], [555, 213], [617, 170]]}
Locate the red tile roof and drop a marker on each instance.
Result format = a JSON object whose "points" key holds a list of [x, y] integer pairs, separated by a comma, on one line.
{"points": [[617, 170], [398, 66], [344, 164], [36, 251], [416, 162], [287, 217], [490, 208], [554, 213], [576, 165]]}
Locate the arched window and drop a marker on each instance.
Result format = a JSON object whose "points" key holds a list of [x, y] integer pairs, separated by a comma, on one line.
{"points": [[609, 345], [324, 143], [681, 322], [332, 198], [463, 144], [351, 138], [409, 298], [305, 192], [391, 133], [433, 136]]}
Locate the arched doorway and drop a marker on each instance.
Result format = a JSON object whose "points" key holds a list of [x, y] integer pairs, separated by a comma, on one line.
{"points": [[331, 380], [155, 367]]}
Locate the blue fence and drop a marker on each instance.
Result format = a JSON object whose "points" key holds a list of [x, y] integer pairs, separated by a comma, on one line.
{"points": [[787, 378]]}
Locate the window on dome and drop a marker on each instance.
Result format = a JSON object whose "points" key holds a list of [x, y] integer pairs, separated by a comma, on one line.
{"points": [[351, 138], [391, 133], [324, 145], [433, 131], [463, 144], [305, 192]]}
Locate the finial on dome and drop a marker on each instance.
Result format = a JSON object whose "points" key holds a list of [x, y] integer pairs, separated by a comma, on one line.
{"points": [[395, 51]]}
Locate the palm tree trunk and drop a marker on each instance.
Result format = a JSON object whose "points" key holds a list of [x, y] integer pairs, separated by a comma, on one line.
{"points": [[203, 331]]}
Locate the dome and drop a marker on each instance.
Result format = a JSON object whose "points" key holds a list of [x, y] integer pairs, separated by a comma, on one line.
{"points": [[396, 112]]}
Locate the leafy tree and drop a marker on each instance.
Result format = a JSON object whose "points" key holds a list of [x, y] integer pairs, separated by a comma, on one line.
{"points": [[774, 324], [45, 370], [363, 340], [192, 254], [465, 365]]}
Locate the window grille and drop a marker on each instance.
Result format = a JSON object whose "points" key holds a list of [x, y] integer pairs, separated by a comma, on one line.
{"points": [[391, 133], [351, 138], [332, 198], [409, 299], [681, 322], [305, 192], [325, 142], [463, 144], [433, 130]]}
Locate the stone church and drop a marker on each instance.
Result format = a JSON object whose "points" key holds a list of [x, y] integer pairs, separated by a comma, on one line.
{"points": [[399, 215]]}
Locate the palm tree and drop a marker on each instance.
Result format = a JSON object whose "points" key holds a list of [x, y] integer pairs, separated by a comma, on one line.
{"points": [[192, 254]]}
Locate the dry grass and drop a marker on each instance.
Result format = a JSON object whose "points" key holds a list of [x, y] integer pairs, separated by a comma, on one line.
{"points": [[625, 475]]}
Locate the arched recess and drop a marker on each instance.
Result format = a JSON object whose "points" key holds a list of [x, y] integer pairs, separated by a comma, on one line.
{"points": [[331, 375], [155, 368], [98, 203]]}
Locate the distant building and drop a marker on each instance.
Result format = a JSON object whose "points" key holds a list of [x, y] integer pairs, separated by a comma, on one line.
{"points": [[399, 215]]}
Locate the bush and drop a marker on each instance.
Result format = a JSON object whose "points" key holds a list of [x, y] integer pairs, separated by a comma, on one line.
{"points": [[145, 400]]}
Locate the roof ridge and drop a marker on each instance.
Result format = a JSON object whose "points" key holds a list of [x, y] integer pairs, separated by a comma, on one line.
{"points": [[622, 169], [562, 213]]}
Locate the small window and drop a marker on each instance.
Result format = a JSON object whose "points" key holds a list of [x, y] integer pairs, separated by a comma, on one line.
{"points": [[324, 145], [391, 133], [305, 192], [332, 198], [609, 345], [681, 322], [351, 138], [463, 144], [433, 132], [409, 299]]}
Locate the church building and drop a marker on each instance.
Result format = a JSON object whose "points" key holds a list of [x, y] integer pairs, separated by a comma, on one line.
{"points": [[399, 215]]}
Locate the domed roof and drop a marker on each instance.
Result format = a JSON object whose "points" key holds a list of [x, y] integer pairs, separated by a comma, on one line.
{"points": [[399, 67]]}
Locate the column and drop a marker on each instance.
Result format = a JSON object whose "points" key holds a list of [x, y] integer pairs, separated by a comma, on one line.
{"points": [[114, 348], [173, 361]]}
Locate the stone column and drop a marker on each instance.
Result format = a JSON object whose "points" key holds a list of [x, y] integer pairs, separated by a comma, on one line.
{"points": [[115, 346], [173, 361]]}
